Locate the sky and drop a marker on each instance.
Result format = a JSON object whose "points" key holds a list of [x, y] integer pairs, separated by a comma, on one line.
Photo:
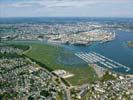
{"points": [[66, 8]]}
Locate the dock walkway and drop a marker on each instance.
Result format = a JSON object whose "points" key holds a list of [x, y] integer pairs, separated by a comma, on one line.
{"points": [[100, 60]]}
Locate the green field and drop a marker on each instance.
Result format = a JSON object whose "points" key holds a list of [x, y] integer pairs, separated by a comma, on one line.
{"points": [[48, 55]]}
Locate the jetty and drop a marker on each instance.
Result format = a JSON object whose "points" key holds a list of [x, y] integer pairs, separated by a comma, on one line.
{"points": [[100, 60]]}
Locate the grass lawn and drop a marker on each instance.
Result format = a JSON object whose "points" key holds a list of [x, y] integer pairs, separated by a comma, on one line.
{"points": [[82, 75], [44, 54], [48, 55]]}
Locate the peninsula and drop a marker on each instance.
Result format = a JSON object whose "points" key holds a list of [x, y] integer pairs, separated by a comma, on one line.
{"points": [[130, 44]]}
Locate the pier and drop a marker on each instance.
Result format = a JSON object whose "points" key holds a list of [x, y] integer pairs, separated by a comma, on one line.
{"points": [[100, 60]]}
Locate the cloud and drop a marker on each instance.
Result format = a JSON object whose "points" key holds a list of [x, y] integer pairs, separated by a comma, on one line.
{"points": [[20, 5], [67, 7], [61, 3]]}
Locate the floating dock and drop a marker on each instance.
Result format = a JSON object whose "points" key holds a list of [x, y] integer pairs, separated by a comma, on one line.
{"points": [[95, 58]]}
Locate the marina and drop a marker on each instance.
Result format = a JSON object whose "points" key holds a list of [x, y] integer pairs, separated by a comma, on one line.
{"points": [[100, 60], [66, 50]]}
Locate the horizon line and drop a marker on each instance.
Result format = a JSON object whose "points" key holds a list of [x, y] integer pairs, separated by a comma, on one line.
{"points": [[63, 17]]}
